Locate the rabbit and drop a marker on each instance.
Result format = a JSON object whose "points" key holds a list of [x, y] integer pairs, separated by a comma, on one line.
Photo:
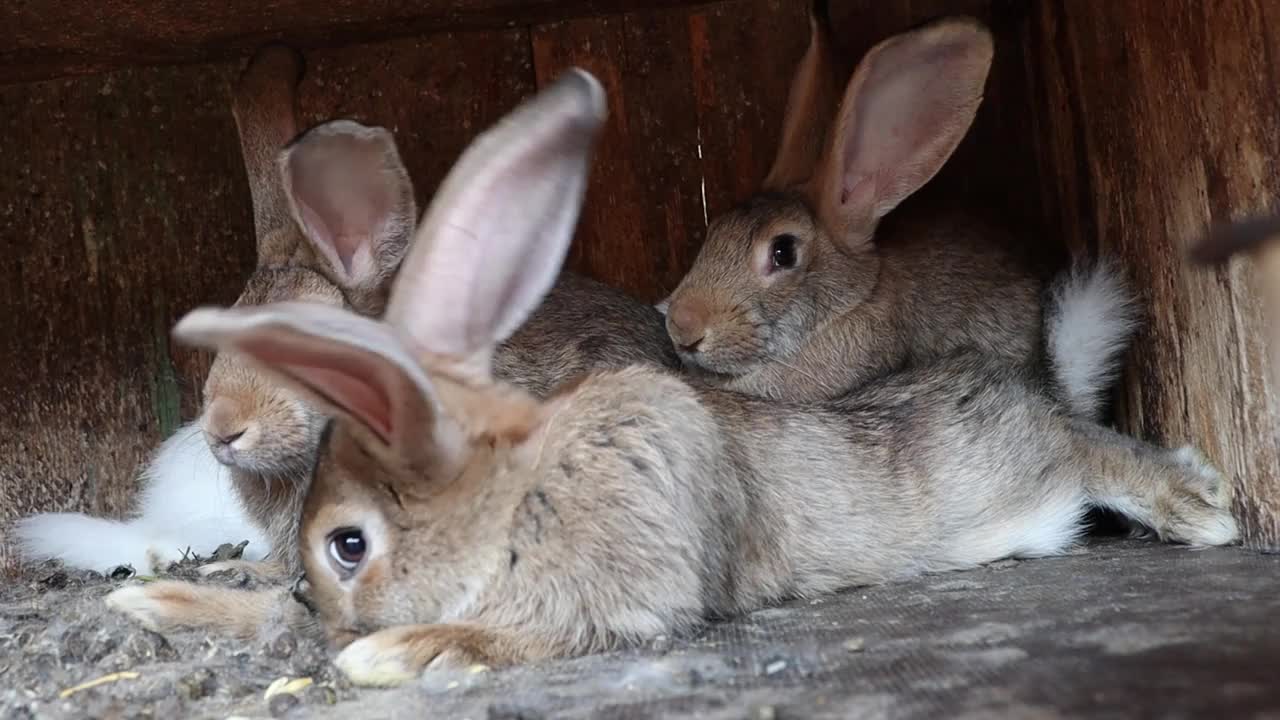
{"points": [[454, 518], [333, 214], [803, 293]]}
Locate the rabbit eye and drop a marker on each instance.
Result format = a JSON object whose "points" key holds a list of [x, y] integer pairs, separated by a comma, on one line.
{"points": [[782, 252], [347, 548]]}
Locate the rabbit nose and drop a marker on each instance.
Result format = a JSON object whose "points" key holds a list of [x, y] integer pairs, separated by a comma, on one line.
{"points": [[686, 324], [222, 422]]}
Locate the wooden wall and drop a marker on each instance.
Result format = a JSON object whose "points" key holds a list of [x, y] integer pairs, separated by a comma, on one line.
{"points": [[123, 202]]}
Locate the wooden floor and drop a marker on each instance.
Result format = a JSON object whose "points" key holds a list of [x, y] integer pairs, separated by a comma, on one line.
{"points": [[1123, 629]]}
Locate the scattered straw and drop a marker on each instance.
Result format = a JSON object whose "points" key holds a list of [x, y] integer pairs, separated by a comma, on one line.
{"points": [[288, 685], [126, 675]]}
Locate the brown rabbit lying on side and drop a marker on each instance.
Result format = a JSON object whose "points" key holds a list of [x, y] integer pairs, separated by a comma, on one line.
{"points": [[455, 519], [808, 290]]}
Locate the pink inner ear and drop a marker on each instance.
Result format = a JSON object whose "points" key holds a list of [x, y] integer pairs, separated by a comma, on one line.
{"points": [[912, 107], [341, 380], [345, 198]]}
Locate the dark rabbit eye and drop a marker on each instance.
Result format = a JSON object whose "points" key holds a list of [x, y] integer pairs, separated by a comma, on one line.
{"points": [[347, 548], [782, 252]]}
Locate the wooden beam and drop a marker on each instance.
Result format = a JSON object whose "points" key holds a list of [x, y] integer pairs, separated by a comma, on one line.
{"points": [[42, 40]]}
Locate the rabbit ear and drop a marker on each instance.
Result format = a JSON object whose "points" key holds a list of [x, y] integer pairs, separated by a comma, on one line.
{"points": [[351, 195], [910, 102], [346, 364], [1225, 240], [265, 109], [810, 106], [495, 237]]}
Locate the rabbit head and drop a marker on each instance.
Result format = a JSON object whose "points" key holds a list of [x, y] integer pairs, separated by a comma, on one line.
{"points": [[397, 523], [804, 249], [333, 210]]}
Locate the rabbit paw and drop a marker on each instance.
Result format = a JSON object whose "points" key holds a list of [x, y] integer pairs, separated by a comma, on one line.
{"points": [[1215, 489], [397, 655], [138, 604], [166, 605], [1197, 510], [260, 570]]}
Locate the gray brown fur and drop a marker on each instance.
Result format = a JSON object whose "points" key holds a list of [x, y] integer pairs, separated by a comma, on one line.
{"points": [[501, 528], [583, 325], [865, 297]]}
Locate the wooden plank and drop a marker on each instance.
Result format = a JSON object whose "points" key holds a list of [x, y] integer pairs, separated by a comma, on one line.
{"points": [[41, 40], [1156, 124], [742, 65], [125, 204]]}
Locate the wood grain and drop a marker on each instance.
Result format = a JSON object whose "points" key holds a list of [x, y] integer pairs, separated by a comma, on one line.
{"points": [[41, 40], [433, 93]]}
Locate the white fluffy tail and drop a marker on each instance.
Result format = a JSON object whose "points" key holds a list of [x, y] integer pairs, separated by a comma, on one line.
{"points": [[1089, 320], [188, 504]]}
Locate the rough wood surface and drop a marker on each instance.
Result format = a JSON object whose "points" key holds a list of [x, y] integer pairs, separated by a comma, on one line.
{"points": [[122, 204], [1154, 125], [433, 93], [43, 40]]}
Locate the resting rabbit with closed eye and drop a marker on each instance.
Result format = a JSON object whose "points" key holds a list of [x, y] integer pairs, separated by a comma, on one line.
{"points": [[811, 288], [455, 519]]}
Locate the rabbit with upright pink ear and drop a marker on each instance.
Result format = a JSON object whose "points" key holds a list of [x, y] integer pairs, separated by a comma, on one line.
{"points": [[811, 288], [454, 518]]}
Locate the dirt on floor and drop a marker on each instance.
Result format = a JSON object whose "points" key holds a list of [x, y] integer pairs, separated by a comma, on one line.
{"points": [[1119, 629], [63, 653]]}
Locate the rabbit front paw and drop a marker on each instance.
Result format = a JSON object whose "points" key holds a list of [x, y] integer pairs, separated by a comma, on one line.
{"points": [[397, 655], [1197, 508]]}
